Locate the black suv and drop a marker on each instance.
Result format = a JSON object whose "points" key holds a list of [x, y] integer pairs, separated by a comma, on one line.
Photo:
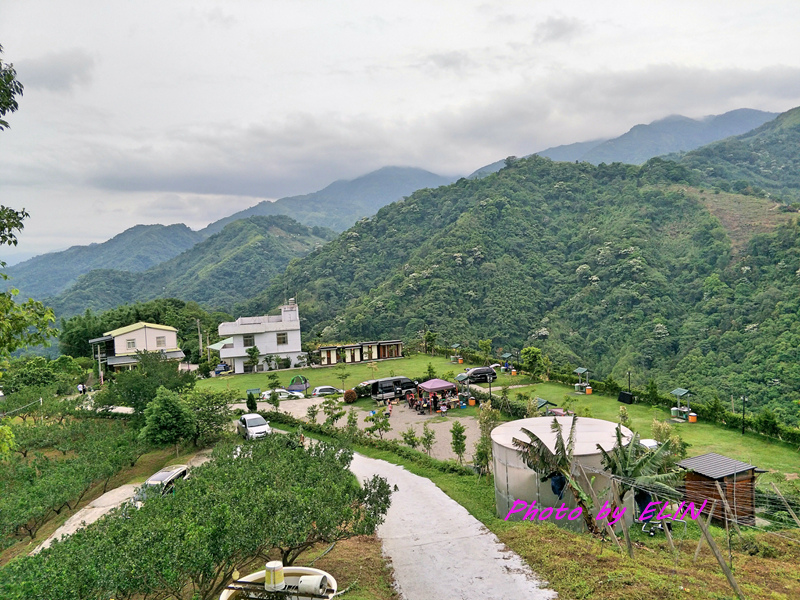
{"points": [[482, 375]]}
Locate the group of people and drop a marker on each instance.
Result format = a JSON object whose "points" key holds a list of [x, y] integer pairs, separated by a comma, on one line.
{"points": [[435, 401], [82, 389]]}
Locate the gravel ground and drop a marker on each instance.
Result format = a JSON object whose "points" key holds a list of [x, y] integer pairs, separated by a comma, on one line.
{"points": [[402, 417], [438, 550]]}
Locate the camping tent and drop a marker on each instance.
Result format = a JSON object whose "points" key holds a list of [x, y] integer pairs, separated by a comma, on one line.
{"points": [[436, 385]]}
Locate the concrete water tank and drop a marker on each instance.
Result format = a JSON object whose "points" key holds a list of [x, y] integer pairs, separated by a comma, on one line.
{"points": [[514, 480]]}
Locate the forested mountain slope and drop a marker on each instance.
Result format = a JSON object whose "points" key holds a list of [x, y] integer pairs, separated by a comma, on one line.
{"points": [[767, 157], [342, 203], [613, 267], [227, 267], [135, 249]]}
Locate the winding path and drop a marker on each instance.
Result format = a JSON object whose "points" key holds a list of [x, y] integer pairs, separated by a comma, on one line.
{"points": [[438, 550]]}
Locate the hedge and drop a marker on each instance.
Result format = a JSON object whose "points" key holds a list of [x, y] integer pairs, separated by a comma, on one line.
{"points": [[362, 439]]}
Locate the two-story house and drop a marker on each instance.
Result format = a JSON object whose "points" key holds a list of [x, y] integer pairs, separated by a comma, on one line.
{"points": [[118, 347], [277, 336]]}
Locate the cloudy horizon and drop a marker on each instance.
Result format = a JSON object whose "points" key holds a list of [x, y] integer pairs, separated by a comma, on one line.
{"points": [[186, 112]]}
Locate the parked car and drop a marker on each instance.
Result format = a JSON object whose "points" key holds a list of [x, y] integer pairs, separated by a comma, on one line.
{"points": [[326, 390], [160, 484], [481, 375], [283, 394], [252, 426], [390, 388]]}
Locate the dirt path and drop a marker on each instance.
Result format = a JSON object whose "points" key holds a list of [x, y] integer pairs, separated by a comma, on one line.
{"points": [[439, 550], [103, 505]]}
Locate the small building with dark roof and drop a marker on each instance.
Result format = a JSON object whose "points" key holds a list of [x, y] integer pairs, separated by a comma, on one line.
{"points": [[736, 478]]}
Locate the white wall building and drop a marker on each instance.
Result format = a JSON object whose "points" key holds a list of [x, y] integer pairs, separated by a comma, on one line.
{"points": [[119, 347], [274, 335]]}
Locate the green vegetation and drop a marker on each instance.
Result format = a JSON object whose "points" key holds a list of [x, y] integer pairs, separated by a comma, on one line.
{"points": [[761, 161], [239, 506], [614, 267]]}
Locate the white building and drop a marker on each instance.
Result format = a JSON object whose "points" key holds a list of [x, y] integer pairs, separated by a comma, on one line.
{"points": [[274, 335], [119, 347]]}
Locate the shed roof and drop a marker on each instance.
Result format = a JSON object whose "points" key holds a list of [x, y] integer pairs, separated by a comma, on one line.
{"points": [[679, 392], [715, 466], [580, 370]]}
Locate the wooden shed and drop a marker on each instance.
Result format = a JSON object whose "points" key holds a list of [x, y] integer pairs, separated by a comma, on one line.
{"points": [[737, 480]]}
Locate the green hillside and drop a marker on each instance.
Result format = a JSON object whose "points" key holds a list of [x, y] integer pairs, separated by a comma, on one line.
{"points": [[135, 249], [227, 267], [767, 157], [613, 267]]}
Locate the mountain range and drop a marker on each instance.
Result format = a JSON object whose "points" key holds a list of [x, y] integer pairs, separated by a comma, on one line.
{"points": [[654, 270], [223, 269], [671, 270], [336, 207], [643, 142]]}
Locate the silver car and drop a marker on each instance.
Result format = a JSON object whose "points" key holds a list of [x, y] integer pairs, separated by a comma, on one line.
{"points": [[160, 484], [252, 426]]}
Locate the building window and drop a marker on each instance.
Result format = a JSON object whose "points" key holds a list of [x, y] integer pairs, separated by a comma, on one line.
{"points": [[130, 344], [248, 368], [283, 338], [161, 342], [249, 340]]}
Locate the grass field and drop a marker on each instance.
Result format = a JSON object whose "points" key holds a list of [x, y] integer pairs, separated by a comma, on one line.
{"points": [[702, 437], [413, 366]]}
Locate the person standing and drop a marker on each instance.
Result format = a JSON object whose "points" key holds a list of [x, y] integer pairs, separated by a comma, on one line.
{"points": [[80, 389]]}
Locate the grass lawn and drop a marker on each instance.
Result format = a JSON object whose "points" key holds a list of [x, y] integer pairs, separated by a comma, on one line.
{"points": [[413, 366], [702, 437]]}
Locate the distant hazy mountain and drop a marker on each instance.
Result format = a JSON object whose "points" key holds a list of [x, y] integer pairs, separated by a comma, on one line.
{"points": [[643, 142], [225, 268], [343, 202], [766, 158], [673, 134], [571, 152], [337, 207], [135, 249]]}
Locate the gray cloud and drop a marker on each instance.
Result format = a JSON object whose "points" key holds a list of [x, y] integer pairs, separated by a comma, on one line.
{"points": [[57, 71], [451, 61], [558, 29], [305, 152]]}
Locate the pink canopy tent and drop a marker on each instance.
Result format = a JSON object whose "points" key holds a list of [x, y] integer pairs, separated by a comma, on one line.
{"points": [[436, 385]]}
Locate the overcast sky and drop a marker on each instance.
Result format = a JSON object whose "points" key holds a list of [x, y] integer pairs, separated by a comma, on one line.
{"points": [[184, 112]]}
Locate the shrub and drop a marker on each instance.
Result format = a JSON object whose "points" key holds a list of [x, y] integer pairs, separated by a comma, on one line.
{"points": [[350, 396], [251, 402]]}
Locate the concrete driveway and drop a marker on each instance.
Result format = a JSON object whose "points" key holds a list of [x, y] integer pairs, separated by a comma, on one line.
{"points": [[439, 550]]}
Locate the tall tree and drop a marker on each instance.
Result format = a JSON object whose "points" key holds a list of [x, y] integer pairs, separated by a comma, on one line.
{"points": [[10, 88], [167, 419]]}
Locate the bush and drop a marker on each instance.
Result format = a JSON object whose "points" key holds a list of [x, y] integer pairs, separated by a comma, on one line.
{"points": [[362, 391], [350, 396], [251, 402]]}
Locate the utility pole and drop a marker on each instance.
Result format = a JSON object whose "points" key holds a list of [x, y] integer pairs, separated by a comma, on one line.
{"points": [[744, 400], [200, 336], [208, 350]]}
